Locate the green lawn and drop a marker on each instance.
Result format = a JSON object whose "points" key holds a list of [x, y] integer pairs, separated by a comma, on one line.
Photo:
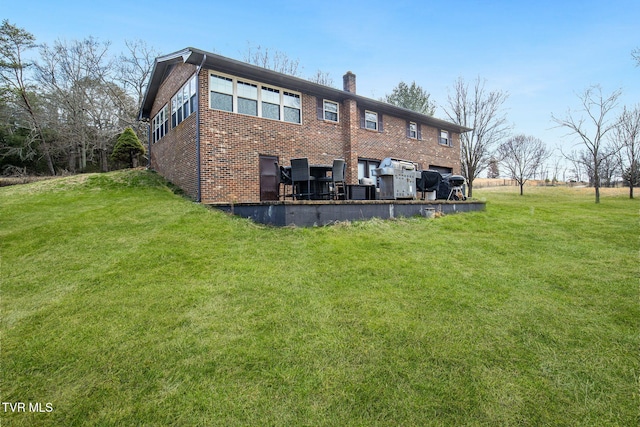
{"points": [[125, 304]]}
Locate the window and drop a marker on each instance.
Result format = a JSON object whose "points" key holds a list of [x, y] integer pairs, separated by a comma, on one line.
{"points": [[413, 130], [247, 99], [254, 99], [174, 112], [221, 93], [183, 104], [444, 138], [366, 167], [160, 124], [192, 91], [270, 103], [370, 120], [179, 103], [330, 111], [291, 107]]}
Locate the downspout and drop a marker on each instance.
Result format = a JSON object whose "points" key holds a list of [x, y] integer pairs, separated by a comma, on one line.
{"points": [[198, 171], [149, 145]]}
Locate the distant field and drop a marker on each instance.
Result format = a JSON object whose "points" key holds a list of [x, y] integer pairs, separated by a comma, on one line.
{"points": [[125, 304]]}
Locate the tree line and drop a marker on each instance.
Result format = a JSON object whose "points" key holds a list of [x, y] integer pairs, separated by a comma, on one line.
{"points": [[609, 144], [65, 112]]}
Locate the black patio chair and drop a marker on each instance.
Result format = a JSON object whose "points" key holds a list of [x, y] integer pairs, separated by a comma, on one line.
{"points": [[285, 180], [337, 182], [301, 174]]}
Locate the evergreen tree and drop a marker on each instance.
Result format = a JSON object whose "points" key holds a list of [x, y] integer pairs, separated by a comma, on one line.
{"points": [[412, 97], [128, 148]]}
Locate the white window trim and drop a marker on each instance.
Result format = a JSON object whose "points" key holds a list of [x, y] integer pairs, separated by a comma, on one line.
{"points": [[158, 129], [413, 133], [365, 120], [181, 104], [259, 85], [324, 111], [447, 139]]}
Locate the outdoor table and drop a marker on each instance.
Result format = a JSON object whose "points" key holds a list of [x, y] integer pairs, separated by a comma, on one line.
{"points": [[321, 187], [317, 171]]}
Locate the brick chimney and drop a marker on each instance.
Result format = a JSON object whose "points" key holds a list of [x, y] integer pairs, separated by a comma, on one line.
{"points": [[349, 82]]}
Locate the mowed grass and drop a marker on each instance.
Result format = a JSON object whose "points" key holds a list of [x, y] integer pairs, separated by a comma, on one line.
{"points": [[125, 304]]}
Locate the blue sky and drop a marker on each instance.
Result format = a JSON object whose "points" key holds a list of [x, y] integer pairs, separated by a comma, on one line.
{"points": [[542, 53]]}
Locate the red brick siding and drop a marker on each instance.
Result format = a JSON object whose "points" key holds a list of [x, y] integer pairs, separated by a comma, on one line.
{"points": [[231, 143], [174, 155], [393, 142]]}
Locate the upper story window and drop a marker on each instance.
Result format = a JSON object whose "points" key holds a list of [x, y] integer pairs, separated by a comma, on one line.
{"points": [[413, 130], [444, 138], [247, 98], [192, 90], [255, 99], [371, 120], [270, 103], [292, 107], [160, 124], [183, 104], [330, 111], [221, 93]]}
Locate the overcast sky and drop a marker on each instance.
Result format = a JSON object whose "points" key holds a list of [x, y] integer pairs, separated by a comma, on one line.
{"points": [[542, 53]]}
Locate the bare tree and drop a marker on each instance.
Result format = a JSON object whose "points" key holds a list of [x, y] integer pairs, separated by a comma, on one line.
{"points": [[609, 167], [635, 54], [272, 60], [77, 80], [592, 129], [134, 68], [522, 155], [578, 168], [322, 78], [14, 42], [558, 169], [626, 136], [480, 110]]}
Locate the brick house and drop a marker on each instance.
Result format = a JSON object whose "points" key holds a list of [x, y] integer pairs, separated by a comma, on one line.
{"points": [[213, 120]]}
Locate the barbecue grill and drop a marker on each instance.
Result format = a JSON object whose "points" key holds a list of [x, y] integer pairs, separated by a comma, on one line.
{"points": [[428, 182], [455, 184], [396, 179]]}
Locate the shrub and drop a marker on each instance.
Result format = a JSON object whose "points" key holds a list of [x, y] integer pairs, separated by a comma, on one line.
{"points": [[128, 148]]}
